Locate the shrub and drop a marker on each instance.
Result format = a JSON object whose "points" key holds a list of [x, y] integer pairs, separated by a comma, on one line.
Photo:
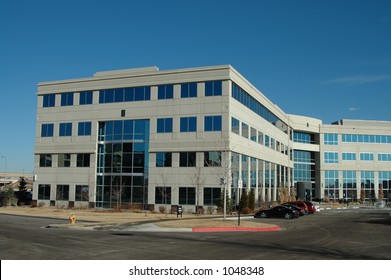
{"points": [[210, 210], [246, 210], [162, 209]]}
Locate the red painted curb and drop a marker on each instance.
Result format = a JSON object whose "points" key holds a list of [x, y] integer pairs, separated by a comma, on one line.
{"points": [[212, 229]]}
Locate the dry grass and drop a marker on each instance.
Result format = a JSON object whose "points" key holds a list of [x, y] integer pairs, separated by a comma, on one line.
{"points": [[92, 216]]}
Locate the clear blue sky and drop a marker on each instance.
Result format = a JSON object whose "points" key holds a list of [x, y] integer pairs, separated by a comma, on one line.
{"points": [[328, 59]]}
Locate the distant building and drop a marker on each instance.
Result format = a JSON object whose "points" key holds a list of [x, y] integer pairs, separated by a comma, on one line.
{"points": [[150, 138]]}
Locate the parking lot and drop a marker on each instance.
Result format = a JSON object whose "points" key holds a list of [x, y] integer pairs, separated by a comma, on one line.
{"points": [[331, 234]]}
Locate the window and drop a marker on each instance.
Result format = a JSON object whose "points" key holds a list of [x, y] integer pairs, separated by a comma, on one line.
{"points": [[260, 137], [330, 157], [245, 130], [301, 137], [250, 102], [163, 195], [44, 192], [188, 124], [163, 159], [213, 88], [82, 193], [367, 156], [188, 90], [67, 99], [49, 100], [348, 156], [65, 129], [47, 130], [253, 135], [384, 157], [212, 196], [331, 178], [212, 123], [165, 92], [62, 192], [267, 141], [64, 160], [187, 159], [331, 139], [83, 160], [85, 97], [235, 125], [164, 125], [45, 160], [84, 129], [212, 159], [125, 94], [368, 184], [187, 195]]}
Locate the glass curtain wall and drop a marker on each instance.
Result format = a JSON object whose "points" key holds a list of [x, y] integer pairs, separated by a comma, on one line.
{"points": [[122, 168]]}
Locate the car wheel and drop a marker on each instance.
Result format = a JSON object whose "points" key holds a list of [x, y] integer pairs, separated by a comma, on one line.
{"points": [[288, 216], [263, 215]]}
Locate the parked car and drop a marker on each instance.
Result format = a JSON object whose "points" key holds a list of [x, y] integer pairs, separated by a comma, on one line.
{"points": [[277, 212], [310, 206], [299, 210], [300, 204]]}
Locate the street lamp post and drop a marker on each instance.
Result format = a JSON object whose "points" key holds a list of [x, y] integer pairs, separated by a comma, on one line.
{"points": [[240, 185]]}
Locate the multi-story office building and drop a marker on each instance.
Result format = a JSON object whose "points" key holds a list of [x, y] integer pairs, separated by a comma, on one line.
{"points": [[179, 137]]}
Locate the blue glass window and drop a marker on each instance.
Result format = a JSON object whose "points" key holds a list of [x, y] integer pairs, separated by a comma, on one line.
{"points": [[65, 129], [164, 125], [188, 90], [85, 97], [348, 156], [213, 88], [366, 156], [84, 128], [165, 92], [331, 139], [384, 157], [125, 94], [235, 125], [47, 130], [212, 123], [163, 159], [250, 102], [188, 124], [49, 100], [67, 99], [330, 157]]}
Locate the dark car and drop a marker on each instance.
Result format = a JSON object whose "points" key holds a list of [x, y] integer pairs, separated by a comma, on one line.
{"points": [[310, 206], [300, 211], [301, 205], [277, 212]]}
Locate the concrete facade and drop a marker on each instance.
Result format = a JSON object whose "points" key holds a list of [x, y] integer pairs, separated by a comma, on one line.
{"points": [[214, 128]]}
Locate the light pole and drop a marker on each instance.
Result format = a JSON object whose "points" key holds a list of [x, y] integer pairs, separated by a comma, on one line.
{"points": [[240, 185]]}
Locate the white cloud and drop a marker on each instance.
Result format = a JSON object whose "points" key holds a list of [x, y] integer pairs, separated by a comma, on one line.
{"points": [[358, 80], [353, 109]]}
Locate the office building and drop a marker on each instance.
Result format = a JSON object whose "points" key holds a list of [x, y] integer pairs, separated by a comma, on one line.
{"points": [[149, 138]]}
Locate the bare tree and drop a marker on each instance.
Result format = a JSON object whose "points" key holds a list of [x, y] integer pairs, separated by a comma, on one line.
{"points": [[164, 190], [198, 181], [116, 194], [223, 169]]}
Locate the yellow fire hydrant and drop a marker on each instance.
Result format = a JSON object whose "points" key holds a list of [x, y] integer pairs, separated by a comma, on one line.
{"points": [[72, 219]]}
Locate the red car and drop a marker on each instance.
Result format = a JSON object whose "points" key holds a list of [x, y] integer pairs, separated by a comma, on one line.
{"points": [[301, 205], [310, 206]]}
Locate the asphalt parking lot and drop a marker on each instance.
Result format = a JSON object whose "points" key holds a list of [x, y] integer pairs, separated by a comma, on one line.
{"points": [[328, 235]]}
